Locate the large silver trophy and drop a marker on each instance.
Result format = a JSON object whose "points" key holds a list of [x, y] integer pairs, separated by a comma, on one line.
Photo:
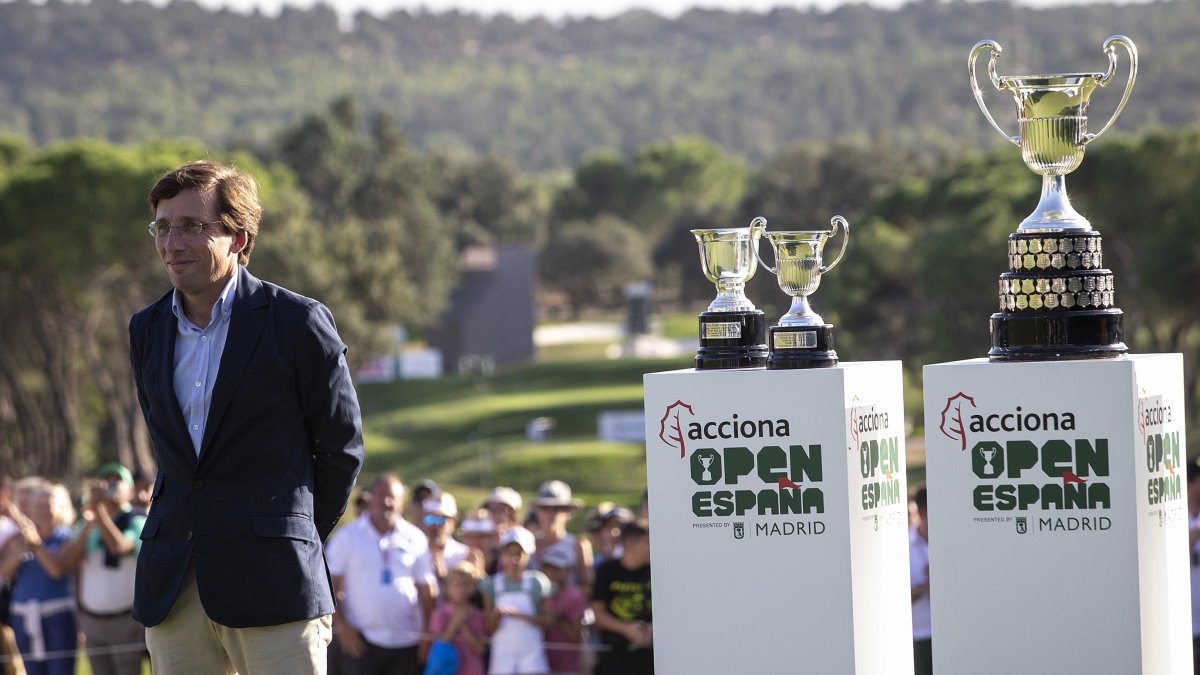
{"points": [[802, 339], [732, 331], [1056, 300]]}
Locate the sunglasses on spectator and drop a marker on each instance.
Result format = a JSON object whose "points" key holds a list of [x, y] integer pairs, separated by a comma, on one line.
{"points": [[435, 520]]}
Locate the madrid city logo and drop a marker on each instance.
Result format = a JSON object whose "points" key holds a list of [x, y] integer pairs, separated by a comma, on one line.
{"points": [[952, 426]]}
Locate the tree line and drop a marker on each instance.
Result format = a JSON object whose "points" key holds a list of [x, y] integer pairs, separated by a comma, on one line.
{"points": [[360, 218], [545, 95]]}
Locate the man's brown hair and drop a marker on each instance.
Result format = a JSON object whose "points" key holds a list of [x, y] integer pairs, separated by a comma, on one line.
{"points": [[237, 196]]}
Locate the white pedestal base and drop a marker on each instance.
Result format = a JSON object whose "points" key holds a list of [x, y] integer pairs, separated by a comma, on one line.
{"points": [[1058, 517], [753, 575]]}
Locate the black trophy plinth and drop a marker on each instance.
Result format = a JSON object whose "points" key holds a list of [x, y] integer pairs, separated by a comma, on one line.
{"points": [[794, 347], [1057, 301], [732, 340]]}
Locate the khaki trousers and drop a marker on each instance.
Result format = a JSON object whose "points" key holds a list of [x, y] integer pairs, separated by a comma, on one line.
{"points": [[187, 642]]}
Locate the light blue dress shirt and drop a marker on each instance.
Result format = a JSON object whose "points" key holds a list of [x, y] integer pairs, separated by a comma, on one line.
{"points": [[198, 358]]}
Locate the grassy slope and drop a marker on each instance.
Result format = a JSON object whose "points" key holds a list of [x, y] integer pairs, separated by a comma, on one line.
{"points": [[469, 433]]}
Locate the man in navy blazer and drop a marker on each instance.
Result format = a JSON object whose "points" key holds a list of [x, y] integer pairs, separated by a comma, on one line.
{"points": [[257, 432]]}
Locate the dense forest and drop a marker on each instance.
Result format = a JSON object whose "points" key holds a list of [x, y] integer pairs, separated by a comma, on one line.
{"points": [[545, 95], [387, 148]]}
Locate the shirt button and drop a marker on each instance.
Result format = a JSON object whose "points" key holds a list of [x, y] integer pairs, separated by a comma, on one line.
{"points": [[199, 383], [188, 536], [204, 338], [195, 427], [198, 485]]}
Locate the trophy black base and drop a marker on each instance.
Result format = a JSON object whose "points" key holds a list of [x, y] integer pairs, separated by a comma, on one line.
{"points": [[1057, 336], [732, 340], [794, 347]]}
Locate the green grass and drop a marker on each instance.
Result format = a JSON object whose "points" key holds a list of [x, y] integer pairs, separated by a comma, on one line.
{"points": [[468, 433]]}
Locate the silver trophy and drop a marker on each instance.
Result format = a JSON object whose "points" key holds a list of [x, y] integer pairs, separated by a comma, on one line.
{"points": [[732, 330], [1056, 300], [802, 339], [1052, 119]]}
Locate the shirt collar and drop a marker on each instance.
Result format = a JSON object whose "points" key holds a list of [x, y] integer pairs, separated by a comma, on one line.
{"points": [[223, 307]]}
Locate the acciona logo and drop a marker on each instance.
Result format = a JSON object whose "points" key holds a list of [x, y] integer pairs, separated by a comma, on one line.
{"points": [[958, 419], [679, 425]]}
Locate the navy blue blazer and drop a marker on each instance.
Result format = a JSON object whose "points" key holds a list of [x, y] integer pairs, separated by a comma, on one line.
{"points": [[281, 450]]}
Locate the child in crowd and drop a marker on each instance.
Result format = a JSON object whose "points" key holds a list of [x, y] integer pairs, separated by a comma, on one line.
{"points": [[514, 603], [459, 622], [567, 607]]}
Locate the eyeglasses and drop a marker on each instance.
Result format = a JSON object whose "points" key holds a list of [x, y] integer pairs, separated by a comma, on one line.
{"points": [[188, 226], [435, 520]]}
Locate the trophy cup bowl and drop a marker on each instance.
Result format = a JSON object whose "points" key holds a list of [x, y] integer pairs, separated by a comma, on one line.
{"points": [[1052, 122], [732, 329], [1056, 300], [802, 339]]}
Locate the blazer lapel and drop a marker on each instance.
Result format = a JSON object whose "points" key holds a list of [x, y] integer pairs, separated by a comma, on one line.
{"points": [[164, 330], [246, 322]]}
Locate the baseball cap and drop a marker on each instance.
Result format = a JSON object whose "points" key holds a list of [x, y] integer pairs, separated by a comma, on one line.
{"points": [[479, 523], [443, 505], [521, 536], [556, 493], [505, 495], [115, 469]]}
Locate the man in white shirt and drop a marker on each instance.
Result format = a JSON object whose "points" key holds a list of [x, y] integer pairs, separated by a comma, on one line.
{"points": [[384, 585], [918, 575]]}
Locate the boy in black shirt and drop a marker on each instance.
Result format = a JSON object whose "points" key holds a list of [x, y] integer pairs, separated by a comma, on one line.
{"points": [[621, 603]]}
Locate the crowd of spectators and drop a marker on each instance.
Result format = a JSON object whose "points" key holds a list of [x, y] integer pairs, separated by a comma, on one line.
{"points": [[66, 573], [423, 586]]}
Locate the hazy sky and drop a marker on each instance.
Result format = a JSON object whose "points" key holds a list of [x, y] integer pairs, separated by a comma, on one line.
{"points": [[564, 8]]}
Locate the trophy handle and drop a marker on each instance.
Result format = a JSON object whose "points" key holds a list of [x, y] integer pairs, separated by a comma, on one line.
{"points": [[1110, 50], [994, 48], [760, 223], [837, 221]]}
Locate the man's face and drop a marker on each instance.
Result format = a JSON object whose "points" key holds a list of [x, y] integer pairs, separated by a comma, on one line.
{"points": [[387, 501], [116, 490], [197, 264], [502, 514], [637, 549], [438, 527]]}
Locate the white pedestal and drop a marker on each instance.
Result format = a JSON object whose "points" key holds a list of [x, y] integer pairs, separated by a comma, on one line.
{"points": [[1058, 517], [751, 575]]}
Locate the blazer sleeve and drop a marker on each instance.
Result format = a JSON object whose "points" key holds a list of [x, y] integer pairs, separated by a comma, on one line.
{"points": [[331, 414]]}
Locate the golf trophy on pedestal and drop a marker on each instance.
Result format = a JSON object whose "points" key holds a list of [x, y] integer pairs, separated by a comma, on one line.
{"points": [[1057, 299], [802, 339], [733, 331]]}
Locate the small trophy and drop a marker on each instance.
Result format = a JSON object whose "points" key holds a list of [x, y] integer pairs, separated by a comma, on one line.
{"points": [[733, 331], [802, 339], [1056, 300]]}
